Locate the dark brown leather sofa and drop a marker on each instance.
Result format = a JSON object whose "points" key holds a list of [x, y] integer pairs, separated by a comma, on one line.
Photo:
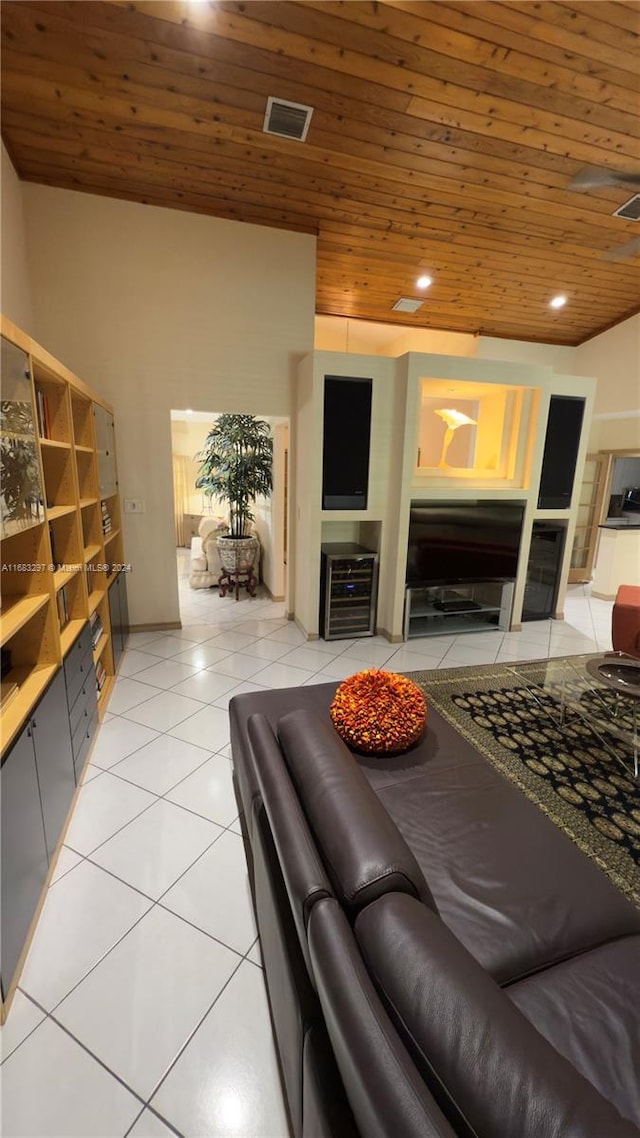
{"points": [[441, 960]]}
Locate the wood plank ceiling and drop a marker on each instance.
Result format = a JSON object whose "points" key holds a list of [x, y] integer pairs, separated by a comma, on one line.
{"points": [[443, 140]]}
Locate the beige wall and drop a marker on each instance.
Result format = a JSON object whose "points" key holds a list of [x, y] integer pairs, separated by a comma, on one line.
{"points": [[15, 286], [614, 357], [162, 309], [556, 356], [339, 334]]}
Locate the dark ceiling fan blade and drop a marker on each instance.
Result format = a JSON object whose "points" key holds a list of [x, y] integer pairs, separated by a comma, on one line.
{"points": [[623, 251], [591, 178]]}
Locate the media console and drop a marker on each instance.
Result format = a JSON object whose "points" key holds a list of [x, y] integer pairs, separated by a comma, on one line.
{"points": [[439, 610]]}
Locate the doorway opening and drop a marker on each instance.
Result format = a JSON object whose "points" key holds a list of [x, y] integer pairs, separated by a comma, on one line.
{"points": [[198, 518]]}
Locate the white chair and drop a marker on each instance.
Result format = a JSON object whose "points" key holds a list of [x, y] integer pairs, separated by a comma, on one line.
{"points": [[205, 562]]}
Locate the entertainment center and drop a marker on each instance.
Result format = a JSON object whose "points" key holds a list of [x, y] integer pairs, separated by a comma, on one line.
{"points": [[470, 503], [462, 563]]}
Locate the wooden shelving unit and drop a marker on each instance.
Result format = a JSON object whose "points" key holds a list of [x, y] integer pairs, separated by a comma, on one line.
{"points": [[46, 606], [54, 604]]}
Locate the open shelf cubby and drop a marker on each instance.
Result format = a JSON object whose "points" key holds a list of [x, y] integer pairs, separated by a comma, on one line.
{"points": [[32, 653], [59, 478], [440, 610], [91, 528], [64, 537], [87, 478], [82, 421], [96, 580], [72, 607], [53, 409]]}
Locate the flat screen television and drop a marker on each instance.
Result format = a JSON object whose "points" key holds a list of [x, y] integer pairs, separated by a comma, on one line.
{"points": [[457, 542]]}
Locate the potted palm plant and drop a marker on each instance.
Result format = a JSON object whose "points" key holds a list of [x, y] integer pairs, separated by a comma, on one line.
{"points": [[236, 465]]}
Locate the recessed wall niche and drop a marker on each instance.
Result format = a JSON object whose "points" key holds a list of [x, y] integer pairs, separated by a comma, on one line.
{"points": [[478, 433]]}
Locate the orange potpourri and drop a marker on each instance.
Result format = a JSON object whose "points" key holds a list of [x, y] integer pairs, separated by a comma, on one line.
{"points": [[378, 713]]}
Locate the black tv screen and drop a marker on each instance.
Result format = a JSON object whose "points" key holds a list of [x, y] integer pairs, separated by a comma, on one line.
{"points": [[457, 542]]}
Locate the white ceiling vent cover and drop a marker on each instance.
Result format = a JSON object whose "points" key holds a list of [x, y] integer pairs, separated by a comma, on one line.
{"points": [[287, 120], [630, 209], [406, 304]]}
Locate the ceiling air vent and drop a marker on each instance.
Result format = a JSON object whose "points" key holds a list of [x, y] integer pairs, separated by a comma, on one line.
{"points": [[630, 209], [406, 304], [288, 120]]}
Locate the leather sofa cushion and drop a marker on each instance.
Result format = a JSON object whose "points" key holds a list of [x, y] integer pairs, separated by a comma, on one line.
{"points": [[589, 1009], [490, 1069], [506, 880], [304, 877], [516, 891], [363, 851], [385, 1091]]}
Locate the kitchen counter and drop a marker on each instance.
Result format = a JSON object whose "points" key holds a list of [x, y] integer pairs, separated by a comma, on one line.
{"points": [[617, 558]]}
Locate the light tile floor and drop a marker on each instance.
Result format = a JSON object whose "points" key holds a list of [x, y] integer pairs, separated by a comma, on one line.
{"points": [[142, 1009]]}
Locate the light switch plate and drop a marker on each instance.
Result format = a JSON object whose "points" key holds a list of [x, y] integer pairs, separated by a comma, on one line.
{"points": [[133, 505]]}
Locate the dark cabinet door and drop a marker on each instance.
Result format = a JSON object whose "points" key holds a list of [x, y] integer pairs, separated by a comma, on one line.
{"points": [[124, 608], [24, 852], [54, 758], [118, 616], [115, 621]]}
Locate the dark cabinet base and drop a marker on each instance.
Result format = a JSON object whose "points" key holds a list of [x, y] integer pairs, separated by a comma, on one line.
{"points": [[24, 851], [118, 616], [54, 759], [37, 784]]}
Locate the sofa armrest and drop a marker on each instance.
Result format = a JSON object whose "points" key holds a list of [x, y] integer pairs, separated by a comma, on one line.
{"points": [[385, 1091]]}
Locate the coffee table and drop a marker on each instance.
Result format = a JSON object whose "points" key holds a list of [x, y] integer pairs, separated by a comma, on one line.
{"points": [[603, 689]]}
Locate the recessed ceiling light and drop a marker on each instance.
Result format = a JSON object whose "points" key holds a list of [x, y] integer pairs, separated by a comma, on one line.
{"points": [[558, 302], [423, 282]]}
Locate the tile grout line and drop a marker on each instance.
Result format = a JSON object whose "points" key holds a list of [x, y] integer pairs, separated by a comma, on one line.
{"points": [[153, 904], [193, 1033]]}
